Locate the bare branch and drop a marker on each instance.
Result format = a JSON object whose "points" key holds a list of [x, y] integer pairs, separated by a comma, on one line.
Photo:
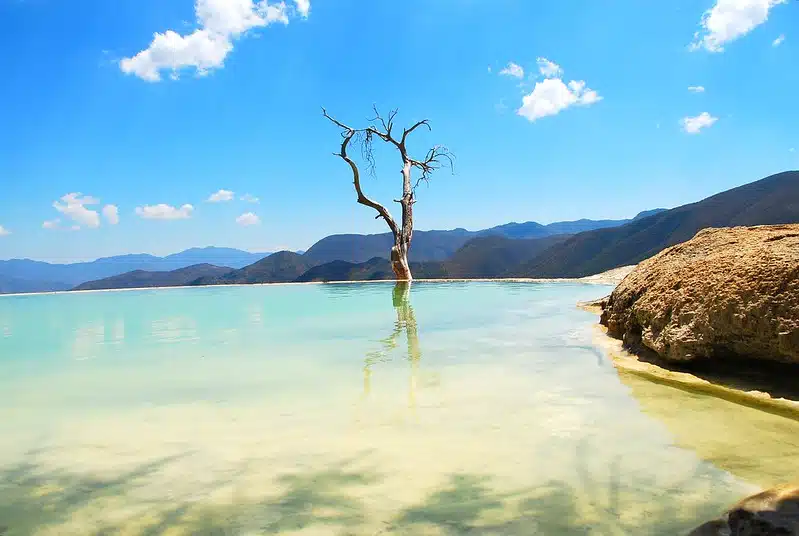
{"points": [[347, 136], [387, 124], [436, 158], [336, 121], [408, 131]]}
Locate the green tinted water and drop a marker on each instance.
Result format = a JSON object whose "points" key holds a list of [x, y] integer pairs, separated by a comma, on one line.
{"points": [[358, 409]]}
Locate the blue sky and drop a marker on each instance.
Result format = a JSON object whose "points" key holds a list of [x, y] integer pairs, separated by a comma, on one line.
{"points": [[556, 110]]}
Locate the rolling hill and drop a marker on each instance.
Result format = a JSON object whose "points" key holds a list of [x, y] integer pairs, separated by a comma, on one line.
{"points": [[280, 267], [374, 269], [492, 256], [145, 279], [772, 200]]}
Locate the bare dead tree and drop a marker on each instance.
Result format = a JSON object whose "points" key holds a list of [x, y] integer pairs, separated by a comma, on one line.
{"points": [[382, 128]]}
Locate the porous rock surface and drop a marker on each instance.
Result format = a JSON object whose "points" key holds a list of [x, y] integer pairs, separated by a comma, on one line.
{"points": [[726, 293], [773, 512]]}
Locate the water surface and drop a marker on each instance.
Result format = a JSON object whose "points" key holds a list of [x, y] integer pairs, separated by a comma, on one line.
{"points": [[352, 409]]}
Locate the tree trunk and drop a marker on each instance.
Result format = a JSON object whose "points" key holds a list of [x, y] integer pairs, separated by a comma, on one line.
{"points": [[399, 261], [402, 239]]}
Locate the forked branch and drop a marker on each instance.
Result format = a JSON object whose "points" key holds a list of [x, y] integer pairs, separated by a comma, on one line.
{"points": [[347, 135], [437, 157]]}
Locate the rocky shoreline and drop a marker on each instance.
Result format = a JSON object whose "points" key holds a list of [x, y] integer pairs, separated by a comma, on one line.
{"points": [[718, 315], [719, 312]]}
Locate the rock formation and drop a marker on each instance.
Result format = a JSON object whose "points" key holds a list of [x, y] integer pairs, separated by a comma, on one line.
{"points": [[774, 512], [726, 293]]}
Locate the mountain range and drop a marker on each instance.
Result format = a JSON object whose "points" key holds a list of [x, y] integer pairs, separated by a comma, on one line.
{"points": [[562, 249], [440, 245], [497, 253], [25, 275], [769, 201], [146, 279]]}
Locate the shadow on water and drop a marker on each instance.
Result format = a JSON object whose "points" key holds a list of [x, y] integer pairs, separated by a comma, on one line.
{"points": [[35, 500], [346, 498], [620, 505]]}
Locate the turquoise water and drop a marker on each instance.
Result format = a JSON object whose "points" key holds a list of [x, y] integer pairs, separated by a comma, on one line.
{"points": [[347, 409]]}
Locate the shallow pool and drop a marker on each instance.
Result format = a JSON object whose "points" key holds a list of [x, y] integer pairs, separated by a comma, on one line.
{"points": [[343, 409]]}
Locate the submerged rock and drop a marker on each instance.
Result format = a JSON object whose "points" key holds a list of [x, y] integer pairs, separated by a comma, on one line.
{"points": [[726, 293], [774, 512]]}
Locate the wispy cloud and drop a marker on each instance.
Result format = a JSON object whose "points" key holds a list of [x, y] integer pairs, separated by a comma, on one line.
{"points": [[221, 196], [696, 89], [111, 214], [549, 69], [249, 198], [513, 69], [164, 212], [4, 231], [692, 125], [51, 224], [778, 41], [221, 23], [303, 7], [248, 219], [729, 20]]}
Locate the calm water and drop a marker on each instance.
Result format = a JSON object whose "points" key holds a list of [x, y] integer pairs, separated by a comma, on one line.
{"points": [[443, 409]]}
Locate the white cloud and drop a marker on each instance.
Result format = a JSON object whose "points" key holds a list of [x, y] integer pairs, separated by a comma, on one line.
{"points": [[548, 68], [74, 207], [164, 212], [4, 231], [692, 125], [220, 196], [514, 70], [111, 214], [220, 22], [791, 150], [51, 224], [778, 41], [696, 89], [304, 7], [75, 228], [728, 20], [249, 198], [551, 96], [248, 219]]}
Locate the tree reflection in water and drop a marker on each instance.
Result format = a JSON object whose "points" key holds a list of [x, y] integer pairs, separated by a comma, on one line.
{"points": [[406, 322]]}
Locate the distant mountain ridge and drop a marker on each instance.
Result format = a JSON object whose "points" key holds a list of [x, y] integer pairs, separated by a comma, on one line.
{"points": [[13, 285], [280, 267], [440, 245], [769, 201], [145, 279], [24, 275], [21, 275], [491, 253], [533, 229]]}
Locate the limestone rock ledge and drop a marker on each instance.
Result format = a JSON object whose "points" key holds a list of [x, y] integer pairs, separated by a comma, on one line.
{"points": [[726, 294]]}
